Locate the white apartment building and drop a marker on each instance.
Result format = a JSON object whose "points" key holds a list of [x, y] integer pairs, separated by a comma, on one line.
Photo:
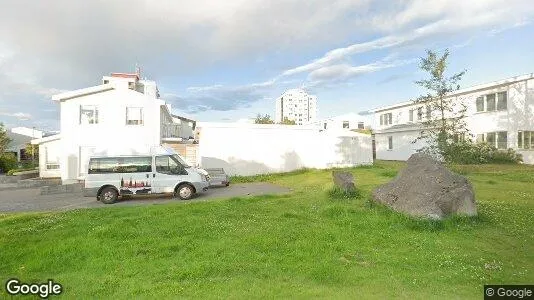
{"points": [[123, 115], [500, 113], [296, 105]]}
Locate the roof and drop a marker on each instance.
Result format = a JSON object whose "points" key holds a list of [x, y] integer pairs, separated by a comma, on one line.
{"points": [[471, 89], [82, 92], [46, 139], [182, 118], [401, 127], [126, 75]]}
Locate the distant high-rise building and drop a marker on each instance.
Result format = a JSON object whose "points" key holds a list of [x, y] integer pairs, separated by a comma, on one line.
{"points": [[296, 105]]}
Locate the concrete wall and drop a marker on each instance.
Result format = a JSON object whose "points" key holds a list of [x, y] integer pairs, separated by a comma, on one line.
{"points": [[247, 149], [111, 134]]}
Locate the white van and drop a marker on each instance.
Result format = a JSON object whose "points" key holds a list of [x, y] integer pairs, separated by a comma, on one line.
{"points": [[109, 177]]}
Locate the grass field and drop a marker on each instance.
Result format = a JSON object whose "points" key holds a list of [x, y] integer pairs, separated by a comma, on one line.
{"points": [[310, 243]]}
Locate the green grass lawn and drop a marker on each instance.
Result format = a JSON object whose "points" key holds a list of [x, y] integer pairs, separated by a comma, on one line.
{"points": [[310, 243]]}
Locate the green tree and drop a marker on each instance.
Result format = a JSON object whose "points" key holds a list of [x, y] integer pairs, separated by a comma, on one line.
{"points": [[287, 121], [263, 119], [4, 139], [444, 117]]}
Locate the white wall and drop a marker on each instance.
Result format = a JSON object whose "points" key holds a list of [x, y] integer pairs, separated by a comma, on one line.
{"points": [[336, 123], [403, 147], [49, 152], [247, 149], [111, 133]]}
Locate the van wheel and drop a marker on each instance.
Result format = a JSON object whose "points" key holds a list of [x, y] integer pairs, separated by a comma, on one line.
{"points": [[108, 195], [185, 191]]}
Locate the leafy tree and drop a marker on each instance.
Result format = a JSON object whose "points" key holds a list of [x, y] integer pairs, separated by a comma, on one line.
{"points": [[32, 151], [263, 119], [287, 121], [444, 123], [4, 139]]}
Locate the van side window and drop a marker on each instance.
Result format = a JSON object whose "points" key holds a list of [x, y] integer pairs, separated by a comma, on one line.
{"points": [[166, 165], [102, 165]]}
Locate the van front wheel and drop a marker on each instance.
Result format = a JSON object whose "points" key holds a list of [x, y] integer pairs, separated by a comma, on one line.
{"points": [[108, 195], [185, 191]]}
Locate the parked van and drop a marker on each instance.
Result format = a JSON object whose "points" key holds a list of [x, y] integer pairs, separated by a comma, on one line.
{"points": [[109, 177]]}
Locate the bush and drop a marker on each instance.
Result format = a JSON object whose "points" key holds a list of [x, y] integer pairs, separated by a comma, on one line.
{"points": [[13, 171], [8, 161], [467, 152]]}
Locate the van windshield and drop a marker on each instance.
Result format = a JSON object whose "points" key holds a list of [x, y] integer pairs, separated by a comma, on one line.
{"points": [[178, 159]]}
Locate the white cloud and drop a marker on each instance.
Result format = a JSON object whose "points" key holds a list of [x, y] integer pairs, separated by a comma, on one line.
{"points": [[19, 115]]}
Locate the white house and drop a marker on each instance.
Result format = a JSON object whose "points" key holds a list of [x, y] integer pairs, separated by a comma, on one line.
{"points": [[122, 115], [296, 105], [350, 121], [500, 113], [20, 138]]}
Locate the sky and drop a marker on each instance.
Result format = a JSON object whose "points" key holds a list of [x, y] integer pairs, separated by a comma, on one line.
{"points": [[228, 60]]}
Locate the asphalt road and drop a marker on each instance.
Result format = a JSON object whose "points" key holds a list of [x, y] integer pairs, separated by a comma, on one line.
{"points": [[30, 199]]}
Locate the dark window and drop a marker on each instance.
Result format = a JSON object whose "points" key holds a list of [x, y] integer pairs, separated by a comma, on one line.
{"points": [[502, 140], [502, 100], [102, 165], [106, 81], [480, 103], [325, 125], [490, 138], [490, 102], [419, 113], [390, 142], [131, 85], [428, 112], [520, 139], [410, 115], [345, 124], [360, 125], [480, 138], [167, 165], [381, 119]]}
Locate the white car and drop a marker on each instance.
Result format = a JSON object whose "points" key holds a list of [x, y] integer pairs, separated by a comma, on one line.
{"points": [[109, 177]]}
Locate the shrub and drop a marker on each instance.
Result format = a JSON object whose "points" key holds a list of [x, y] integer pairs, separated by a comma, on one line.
{"points": [[467, 152], [8, 161], [13, 171], [338, 193]]}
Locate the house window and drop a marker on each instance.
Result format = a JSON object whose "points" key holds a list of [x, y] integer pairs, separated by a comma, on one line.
{"points": [[502, 101], [390, 142], [386, 119], [480, 104], [502, 140], [498, 139], [360, 125], [494, 102], [480, 138], [88, 114], [134, 116], [106, 81], [419, 114], [490, 102], [345, 124], [410, 115], [51, 162], [325, 125], [525, 139], [428, 112], [131, 85]]}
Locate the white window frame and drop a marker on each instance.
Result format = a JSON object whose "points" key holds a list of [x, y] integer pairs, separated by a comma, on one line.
{"points": [[140, 121], [526, 135], [390, 142]]}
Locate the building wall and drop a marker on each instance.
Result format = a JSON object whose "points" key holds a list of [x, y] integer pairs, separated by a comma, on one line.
{"points": [[260, 149], [337, 122], [519, 116], [49, 158], [296, 105], [111, 134]]}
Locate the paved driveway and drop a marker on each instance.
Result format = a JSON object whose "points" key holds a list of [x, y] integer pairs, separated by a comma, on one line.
{"points": [[31, 200]]}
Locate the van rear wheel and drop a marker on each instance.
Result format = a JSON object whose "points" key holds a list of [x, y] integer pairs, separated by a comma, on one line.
{"points": [[108, 195], [185, 191]]}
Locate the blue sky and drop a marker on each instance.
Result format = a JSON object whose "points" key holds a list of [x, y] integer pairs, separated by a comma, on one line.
{"points": [[223, 61]]}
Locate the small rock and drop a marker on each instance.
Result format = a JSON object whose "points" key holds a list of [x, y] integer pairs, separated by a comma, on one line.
{"points": [[344, 180]]}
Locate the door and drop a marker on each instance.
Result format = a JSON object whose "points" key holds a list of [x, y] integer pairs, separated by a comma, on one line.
{"points": [[134, 175], [168, 174]]}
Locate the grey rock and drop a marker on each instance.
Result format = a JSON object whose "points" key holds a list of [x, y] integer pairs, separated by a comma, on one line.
{"points": [[426, 188], [344, 180]]}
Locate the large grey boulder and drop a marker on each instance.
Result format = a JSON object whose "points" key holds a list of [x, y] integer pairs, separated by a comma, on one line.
{"points": [[344, 180], [425, 188]]}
